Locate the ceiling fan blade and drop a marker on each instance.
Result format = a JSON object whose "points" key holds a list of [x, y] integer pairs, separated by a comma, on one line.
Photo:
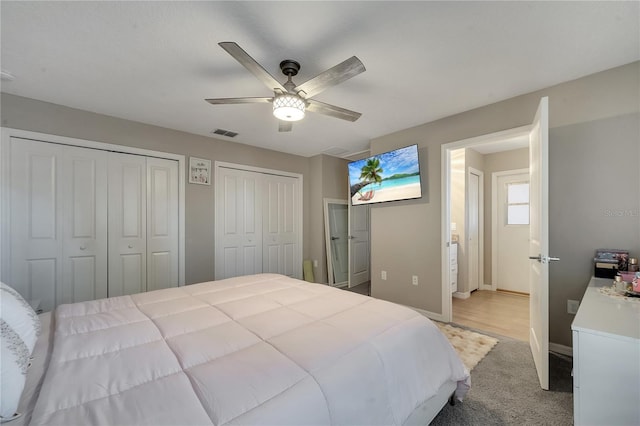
{"points": [[336, 75], [221, 101], [332, 110], [249, 63], [285, 126]]}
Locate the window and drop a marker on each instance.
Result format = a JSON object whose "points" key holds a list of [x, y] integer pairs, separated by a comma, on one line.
{"points": [[518, 203]]}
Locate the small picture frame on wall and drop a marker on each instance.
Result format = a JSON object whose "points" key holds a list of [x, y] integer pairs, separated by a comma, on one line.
{"points": [[199, 171]]}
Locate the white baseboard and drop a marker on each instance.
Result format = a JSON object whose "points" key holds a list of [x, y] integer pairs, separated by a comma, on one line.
{"points": [[462, 295], [428, 314], [561, 349]]}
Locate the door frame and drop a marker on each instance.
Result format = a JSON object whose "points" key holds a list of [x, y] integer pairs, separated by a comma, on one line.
{"points": [[445, 202], [494, 221], [480, 174], [327, 240], [6, 133], [298, 207]]}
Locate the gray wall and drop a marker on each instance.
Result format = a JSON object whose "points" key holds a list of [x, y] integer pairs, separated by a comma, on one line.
{"points": [[329, 180], [594, 139], [33, 115]]}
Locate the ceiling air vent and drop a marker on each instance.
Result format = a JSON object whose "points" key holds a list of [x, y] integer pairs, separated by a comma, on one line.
{"points": [[224, 132]]}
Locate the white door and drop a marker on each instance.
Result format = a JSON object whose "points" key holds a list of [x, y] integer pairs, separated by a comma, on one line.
{"points": [[338, 225], [84, 203], [539, 242], [280, 226], [359, 246], [127, 224], [57, 222], [162, 223], [512, 233], [258, 223], [473, 240], [238, 223]]}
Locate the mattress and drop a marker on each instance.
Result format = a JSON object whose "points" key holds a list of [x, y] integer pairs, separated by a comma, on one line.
{"points": [[261, 349]]}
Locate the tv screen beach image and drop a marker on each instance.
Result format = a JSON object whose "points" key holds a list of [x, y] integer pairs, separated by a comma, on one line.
{"points": [[391, 176]]}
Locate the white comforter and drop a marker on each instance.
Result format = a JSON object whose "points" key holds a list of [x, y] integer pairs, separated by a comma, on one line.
{"points": [[263, 349]]}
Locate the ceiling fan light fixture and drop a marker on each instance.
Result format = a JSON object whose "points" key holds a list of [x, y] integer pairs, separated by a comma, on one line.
{"points": [[288, 107]]}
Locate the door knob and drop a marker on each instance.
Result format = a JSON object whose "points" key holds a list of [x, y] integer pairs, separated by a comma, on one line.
{"points": [[335, 238], [130, 246], [544, 259], [82, 247]]}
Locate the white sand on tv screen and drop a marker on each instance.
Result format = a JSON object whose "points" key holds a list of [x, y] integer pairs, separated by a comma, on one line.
{"points": [[387, 194]]}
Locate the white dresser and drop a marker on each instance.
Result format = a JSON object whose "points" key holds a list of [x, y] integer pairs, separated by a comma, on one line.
{"points": [[453, 256], [606, 359]]}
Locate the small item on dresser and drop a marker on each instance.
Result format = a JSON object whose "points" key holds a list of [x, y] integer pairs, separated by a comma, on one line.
{"points": [[633, 265], [608, 262]]}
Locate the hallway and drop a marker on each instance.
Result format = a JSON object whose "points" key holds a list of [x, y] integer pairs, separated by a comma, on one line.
{"points": [[498, 312]]}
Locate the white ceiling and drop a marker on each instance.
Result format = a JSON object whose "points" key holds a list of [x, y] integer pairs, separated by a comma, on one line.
{"points": [[156, 62]]}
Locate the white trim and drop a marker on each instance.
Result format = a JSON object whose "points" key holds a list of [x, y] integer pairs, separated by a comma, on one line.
{"points": [[428, 314], [327, 239], [445, 237], [461, 294], [445, 199], [480, 174], [5, 155], [218, 164], [561, 349], [494, 221], [299, 213]]}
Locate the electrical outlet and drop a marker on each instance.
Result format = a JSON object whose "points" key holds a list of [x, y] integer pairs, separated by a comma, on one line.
{"points": [[572, 306], [383, 275], [414, 280]]}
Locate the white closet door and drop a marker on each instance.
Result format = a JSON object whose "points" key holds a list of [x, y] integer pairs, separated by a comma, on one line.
{"points": [[84, 203], [162, 223], [58, 222], [127, 224], [280, 225], [238, 223], [36, 228]]}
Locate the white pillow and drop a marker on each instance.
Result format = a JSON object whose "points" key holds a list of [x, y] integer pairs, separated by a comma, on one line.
{"points": [[13, 370], [19, 315], [19, 330]]}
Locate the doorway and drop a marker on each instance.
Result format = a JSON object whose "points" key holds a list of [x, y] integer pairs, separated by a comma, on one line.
{"points": [[347, 243], [536, 137], [476, 303]]}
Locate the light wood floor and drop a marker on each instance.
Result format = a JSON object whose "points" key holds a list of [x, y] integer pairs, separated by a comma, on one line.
{"points": [[494, 311]]}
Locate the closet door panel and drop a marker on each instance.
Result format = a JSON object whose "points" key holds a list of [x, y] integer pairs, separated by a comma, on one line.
{"points": [[127, 217], [280, 236], [162, 223], [239, 224], [36, 243], [84, 202], [58, 222]]}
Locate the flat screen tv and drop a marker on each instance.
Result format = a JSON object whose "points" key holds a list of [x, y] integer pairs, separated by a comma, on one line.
{"points": [[392, 176]]}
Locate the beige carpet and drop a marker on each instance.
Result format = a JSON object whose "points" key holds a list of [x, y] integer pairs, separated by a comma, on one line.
{"points": [[471, 346]]}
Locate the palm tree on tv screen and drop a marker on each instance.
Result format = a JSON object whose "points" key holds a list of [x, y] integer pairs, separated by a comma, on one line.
{"points": [[371, 171]]}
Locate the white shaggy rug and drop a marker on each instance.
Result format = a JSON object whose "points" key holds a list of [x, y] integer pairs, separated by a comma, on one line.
{"points": [[471, 346]]}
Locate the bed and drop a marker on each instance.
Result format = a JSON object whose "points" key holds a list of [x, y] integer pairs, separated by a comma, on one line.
{"points": [[261, 349]]}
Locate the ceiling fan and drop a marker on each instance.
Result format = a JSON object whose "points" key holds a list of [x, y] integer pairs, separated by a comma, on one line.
{"points": [[291, 101]]}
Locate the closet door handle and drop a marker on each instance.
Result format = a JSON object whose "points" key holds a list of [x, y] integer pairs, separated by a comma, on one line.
{"points": [[83, 248], [130, 246]]}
